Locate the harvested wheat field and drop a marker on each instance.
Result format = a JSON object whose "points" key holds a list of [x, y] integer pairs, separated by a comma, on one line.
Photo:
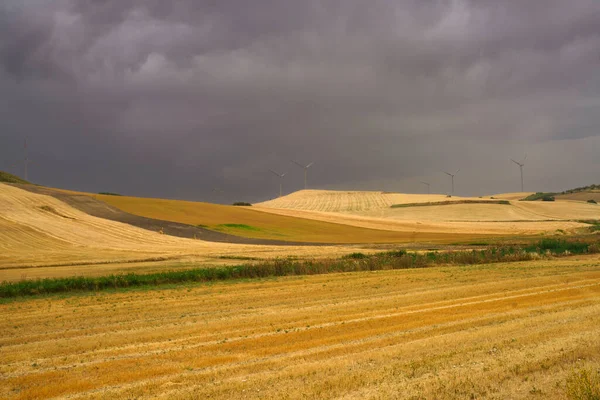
{"points": [[38, 230], [455, 208], [274, 224], [373, 210], [253, 222], [499, 331], [353, 201], [580, 196]]}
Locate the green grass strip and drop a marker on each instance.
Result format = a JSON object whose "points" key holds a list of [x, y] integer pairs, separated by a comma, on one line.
{"points": [[354, 262]]}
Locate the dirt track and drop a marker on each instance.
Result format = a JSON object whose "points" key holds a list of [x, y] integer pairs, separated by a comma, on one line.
{"points": [[97, 208]]}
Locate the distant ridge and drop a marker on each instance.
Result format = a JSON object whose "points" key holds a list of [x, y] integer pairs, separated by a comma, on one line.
{"points": [[582, 189], [10, 178]]}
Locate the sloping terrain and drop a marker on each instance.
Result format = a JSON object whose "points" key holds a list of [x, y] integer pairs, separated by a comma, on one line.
{"points": [[352, 201], [504, 331], [249, 222], [92, 205], [39, 230], [512, 196], [580, 196], [373, 210]]}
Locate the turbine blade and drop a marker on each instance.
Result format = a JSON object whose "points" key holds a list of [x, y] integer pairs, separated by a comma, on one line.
{"points": [[275, 172], [309, 165], [298, 164], [448, 173], [457, 171], [524, 158]]}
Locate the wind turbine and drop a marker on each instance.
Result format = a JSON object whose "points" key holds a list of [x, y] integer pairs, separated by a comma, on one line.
{"points": [[280, 181], [521, 165], [452, 176], [428, 187], [306, 167], [217, 193], [25, 161]]}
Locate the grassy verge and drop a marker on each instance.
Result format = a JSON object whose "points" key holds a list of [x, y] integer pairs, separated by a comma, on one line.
{"points": [[449, 203], [284, 267]]}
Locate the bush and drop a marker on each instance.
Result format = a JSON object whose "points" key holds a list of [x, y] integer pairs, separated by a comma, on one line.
{"points": [[592, 201], [241, 203], [110, 194], [10, 178], [539, 196], [548, 198], [355, 256], [559, 246], [584, 385]]}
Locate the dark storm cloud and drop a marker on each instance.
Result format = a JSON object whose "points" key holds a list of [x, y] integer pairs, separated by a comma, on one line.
{"points": [[177, 99]]}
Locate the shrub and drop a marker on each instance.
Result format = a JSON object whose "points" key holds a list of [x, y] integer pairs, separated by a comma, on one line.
{"points": [[558, 246], [10, 178], [548, 198], [592, 201], [355, 256], [539, 196], [110, 194], [241, 203], [584, 385]]}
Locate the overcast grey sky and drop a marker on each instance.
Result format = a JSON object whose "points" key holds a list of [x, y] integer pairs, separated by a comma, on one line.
{"points": [[176, 98]]}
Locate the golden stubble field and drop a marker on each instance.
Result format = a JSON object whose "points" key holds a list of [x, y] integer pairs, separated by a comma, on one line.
{"points": [[327, 216], [39, 231], [491, 331], [373, 210]]}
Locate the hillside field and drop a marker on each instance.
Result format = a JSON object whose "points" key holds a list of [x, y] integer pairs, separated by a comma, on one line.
{"points": [[258, 222], [515, 331], [365, 217], [40, 231]]}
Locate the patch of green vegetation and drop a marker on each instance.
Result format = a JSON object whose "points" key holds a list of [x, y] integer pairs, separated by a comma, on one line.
{"points": [[10, 178], [110, 194], [448, 203], [238, 258], [237, 226], [355, 256], [583, 384], [592, 201], [393, 253], [242, 203], [595, 224], [544, 196], [559, 246], [582, 189], [289, 267]]}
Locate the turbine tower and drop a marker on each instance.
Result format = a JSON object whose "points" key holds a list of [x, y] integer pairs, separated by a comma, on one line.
{"points": [[428, 186], [25, 161], [305, 167], [521, 165], [280, 181], [452, 176]]}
